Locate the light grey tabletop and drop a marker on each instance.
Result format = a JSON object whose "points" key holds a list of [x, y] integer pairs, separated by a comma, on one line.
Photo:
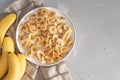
{"points": [[96, 55]]}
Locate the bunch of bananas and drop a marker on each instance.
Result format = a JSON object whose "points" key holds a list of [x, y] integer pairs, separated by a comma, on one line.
{"points": [[12, 64]]}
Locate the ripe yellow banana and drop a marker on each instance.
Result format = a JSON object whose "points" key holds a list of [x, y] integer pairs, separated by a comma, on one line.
{"points": [[5, 23], [3, 64], [8, 46], [14, 67], [22, 64]]}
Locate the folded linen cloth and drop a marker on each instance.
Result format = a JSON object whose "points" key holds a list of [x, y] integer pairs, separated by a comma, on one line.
{"points": [[34, 72]]}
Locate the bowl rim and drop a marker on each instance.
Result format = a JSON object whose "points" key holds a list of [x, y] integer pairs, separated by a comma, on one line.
{"points": [[74, 31]]}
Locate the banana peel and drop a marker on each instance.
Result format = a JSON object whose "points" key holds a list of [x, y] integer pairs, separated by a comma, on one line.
{"points": [[22, 64], [13, 67], [8, 46], [3, 64], [5, 24]]}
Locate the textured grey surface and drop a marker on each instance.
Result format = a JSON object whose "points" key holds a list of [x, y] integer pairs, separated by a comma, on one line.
{"points": [[96, 55]]}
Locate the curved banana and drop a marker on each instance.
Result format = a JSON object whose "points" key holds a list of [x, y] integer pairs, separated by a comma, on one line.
{"points": [[13, 66], [8, 46], [5, 23], [3, 64], [22, 64]]}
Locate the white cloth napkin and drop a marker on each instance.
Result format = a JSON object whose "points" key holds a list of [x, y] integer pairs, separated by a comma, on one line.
{"points": [[34, 72]]}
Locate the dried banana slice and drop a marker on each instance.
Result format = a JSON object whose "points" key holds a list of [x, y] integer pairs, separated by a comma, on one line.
{"points": [[66, 36]]}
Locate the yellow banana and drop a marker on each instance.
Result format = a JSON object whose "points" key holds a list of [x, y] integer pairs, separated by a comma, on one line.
{"points": [[8, 46], [22, 64], [3, 64], [14, 67], [5, 23]]}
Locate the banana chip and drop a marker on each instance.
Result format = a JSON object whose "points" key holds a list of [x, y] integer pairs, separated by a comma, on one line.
{"points": [[53, 30], [66, 36]]}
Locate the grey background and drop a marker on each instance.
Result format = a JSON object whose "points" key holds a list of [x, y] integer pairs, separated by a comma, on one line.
{"points": [[96, 55]]}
